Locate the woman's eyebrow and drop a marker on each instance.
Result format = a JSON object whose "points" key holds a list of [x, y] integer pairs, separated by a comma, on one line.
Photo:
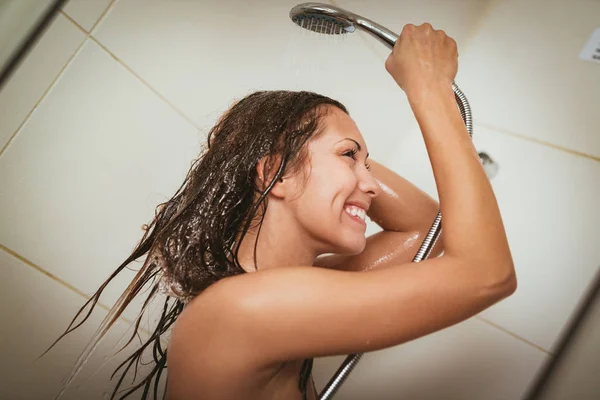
{"points": [[357, 145]]}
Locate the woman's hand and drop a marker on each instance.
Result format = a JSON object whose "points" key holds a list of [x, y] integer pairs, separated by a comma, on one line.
{"points": [[422, 59]]}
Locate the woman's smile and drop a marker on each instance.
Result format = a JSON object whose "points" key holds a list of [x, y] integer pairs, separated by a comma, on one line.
{"points": [[356, 214]]}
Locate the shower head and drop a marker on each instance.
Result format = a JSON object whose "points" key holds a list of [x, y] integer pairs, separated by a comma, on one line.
{"points": [[323, 18], [332, 20]]}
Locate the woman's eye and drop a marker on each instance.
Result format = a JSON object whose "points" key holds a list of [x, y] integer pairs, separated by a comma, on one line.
{"points": [[352, 154]]}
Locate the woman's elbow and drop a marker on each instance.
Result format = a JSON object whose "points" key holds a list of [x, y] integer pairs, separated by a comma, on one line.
{"points": [[512, 285], [506, 285]]}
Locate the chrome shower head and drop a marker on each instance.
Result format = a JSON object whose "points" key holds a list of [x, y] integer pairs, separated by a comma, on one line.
{"points": [[332, 20], [322, 18]]}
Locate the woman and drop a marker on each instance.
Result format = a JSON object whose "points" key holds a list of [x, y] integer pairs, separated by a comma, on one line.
{"points": [[286, 179]]}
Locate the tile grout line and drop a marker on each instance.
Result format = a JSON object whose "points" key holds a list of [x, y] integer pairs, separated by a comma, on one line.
{"points": [[49, 275], [106, 11], [482, 319], [60, 73], [129, 69], [63, 283], [156, 92], [516, 135], [43, 96]]}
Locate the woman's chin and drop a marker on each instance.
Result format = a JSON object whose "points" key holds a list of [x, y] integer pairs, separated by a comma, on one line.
{"points": [[354, 246]]}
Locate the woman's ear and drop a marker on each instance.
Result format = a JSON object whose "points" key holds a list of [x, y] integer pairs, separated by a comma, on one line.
{"points": [[272, 165]]}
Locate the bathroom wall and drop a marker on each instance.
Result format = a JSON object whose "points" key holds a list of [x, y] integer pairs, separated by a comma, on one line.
{"points": [[102, 121]]}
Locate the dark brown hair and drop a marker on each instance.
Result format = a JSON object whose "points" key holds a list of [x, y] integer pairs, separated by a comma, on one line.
{"points": [[194, 238]]}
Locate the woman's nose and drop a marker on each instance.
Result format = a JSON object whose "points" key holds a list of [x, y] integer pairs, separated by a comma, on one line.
{"points": [[369, 184]]}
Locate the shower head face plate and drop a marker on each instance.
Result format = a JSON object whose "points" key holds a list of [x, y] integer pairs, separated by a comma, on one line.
{"points": [[322, 18]]}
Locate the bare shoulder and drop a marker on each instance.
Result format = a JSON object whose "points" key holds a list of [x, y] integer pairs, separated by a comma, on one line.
{"points": [[207, 352], [204, 322]]}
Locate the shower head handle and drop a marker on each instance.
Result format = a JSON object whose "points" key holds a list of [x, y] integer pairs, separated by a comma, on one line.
{"points": [[379, 32]]}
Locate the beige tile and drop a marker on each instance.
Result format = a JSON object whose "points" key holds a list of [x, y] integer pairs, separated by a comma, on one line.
{"points": [[468, 361], [458, 18], [522, 72], [101, 152], [202, 55], [86, 12], [35, 74], [548, 199], [35, 311]]}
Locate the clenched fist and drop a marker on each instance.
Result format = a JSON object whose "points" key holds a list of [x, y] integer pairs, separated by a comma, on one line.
{"points": [[422, 59]]}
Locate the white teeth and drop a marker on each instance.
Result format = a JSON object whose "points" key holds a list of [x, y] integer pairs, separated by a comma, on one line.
{"points": [[356, 212]]}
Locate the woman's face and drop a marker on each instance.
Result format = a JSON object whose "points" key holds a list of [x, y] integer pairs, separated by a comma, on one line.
{"points": [[339, 184]]}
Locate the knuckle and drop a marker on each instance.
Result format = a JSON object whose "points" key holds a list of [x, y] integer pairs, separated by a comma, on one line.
{"points": [[388, 63]]}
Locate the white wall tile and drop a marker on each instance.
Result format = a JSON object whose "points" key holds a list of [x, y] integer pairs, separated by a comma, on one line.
{"points": [[35, 311], [86, 172], [548, 199], [86, 12], [202, 55], [522, 72], [29, 81], [458, 18], [468, 361]]}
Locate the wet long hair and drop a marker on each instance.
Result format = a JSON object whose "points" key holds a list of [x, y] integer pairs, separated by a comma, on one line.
{"points": [[194, 238]]}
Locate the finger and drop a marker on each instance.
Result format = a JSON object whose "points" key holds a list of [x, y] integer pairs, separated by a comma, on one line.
{"points": [[408, 28]]}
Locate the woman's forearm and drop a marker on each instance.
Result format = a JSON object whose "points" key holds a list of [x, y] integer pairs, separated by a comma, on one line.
{"points": [[401, 206], [472, 223]]}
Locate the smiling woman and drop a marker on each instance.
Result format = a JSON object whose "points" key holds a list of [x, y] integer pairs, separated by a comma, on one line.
{"points": [[283, 180], [256, 155]]}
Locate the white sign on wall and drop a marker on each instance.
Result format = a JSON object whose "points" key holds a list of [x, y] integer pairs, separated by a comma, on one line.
{"points": [[591, 50]]}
